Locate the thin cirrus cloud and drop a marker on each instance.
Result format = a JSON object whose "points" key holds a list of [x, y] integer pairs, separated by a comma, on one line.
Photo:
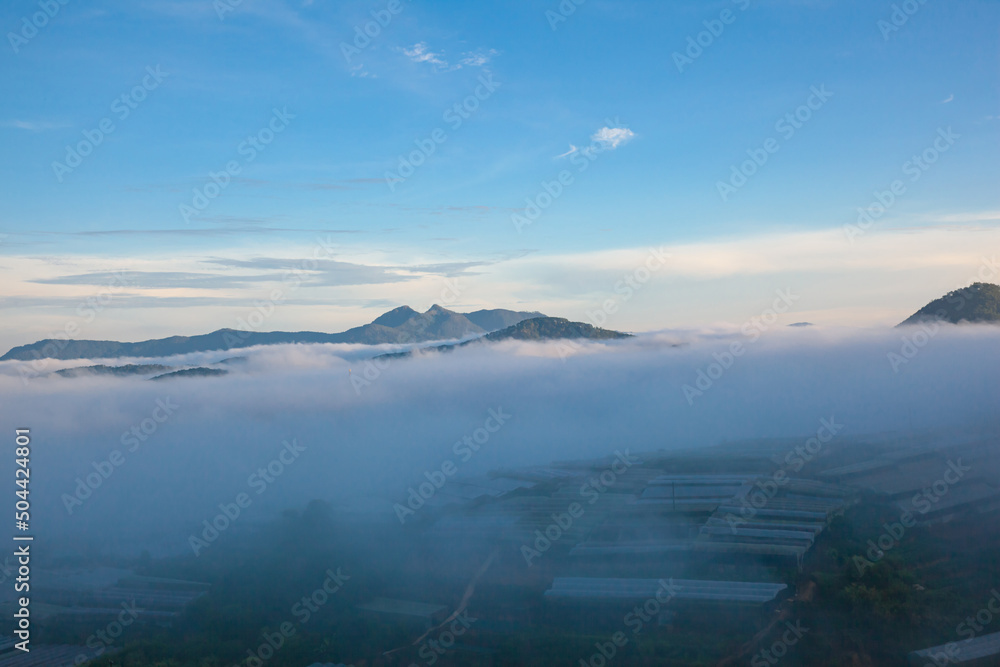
{"points": [[964, 217], [313, 272], [331, 274], [421, 53], [361, 72], [572, 149], [479, 58], [33, 125], [369, 274], [156, 279]]}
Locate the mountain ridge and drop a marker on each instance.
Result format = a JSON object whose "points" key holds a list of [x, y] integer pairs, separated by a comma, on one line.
{"points": [[553, 328], [535, 328], [437, 323]]}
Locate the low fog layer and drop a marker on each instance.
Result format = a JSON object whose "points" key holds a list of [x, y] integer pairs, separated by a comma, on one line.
{"points": [[371, 430]]}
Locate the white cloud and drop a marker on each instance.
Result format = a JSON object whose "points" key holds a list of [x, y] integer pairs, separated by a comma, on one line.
{"points": [[479, 58], [613, 137], [418, 53], [948, 99], [607, 138]]}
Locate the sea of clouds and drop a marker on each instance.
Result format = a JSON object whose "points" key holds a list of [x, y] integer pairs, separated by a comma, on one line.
{"points": [[369, 429]]}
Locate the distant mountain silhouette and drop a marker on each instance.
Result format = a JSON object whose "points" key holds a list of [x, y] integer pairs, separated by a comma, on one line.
{"points": [[191, 372], [536, 328], [979, 302], [401, 325], [553, 328], [438, 324], [395, 317], [118, 371]]}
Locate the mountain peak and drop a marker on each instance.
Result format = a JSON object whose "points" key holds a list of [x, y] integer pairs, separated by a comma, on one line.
{"points": [[553, 328], [979, 302], [396, 317], [535, 328], [440, 323]]}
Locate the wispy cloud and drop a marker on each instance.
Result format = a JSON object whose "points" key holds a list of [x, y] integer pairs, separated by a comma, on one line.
{"points": [[128, 301], [362, 73], [357, 273], [33, 125], [948, 99], [607, 138], [189, 233], [965, 216], [479, 58], [419, 53], [157, 279], [325, 186], [572, 149]]}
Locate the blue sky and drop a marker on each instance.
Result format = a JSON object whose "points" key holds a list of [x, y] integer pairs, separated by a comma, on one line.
{"points": [[608, 67]]}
